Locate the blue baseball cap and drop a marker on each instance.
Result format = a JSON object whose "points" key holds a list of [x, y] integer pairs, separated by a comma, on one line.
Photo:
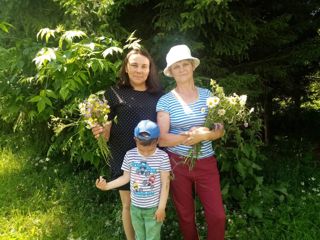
{"points": [[146, 130]]}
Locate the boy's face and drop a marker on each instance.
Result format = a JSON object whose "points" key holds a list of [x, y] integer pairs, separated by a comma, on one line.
{"points": [[146, 148]]}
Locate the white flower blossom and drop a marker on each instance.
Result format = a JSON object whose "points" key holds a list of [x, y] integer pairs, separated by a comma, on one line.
{"points": [[212, 102], [243, 100], [221, 112]]}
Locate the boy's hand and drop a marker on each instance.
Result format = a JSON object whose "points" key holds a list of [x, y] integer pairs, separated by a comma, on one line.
{"points": [[101, 184], [160, 215]]}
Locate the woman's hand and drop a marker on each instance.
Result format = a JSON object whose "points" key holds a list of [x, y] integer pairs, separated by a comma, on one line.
{"points": [[105, 130], [199, 134], [195, 135], [217, 132]]}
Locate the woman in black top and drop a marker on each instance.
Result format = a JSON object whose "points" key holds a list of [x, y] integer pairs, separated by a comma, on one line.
{"points": [[132, 100]]}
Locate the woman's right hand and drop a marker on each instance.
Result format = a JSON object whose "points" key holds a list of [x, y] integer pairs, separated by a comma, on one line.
{"points": [[98, 130]]}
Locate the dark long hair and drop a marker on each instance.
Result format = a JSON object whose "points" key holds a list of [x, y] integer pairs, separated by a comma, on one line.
{"points": [[152, 82]]}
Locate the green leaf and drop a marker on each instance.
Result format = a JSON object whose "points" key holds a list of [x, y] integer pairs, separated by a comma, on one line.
{"points": [[41, 106], [78, 80], [51, 93], [83, 76], [4, 26], [35, 99], [241, 169], [47, 101], [225, 189], [64, 92]]}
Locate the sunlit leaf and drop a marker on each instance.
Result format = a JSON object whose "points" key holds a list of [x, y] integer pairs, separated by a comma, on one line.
{"points": [[44, 55], [47, 32], [111, 51], [70, 35]]}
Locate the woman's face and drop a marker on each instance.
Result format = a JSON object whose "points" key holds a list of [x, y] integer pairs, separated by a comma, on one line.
{"points": [[182, 70], [138, 68]]}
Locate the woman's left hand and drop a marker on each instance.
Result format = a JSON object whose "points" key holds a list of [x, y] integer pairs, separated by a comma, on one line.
{"points": [[195, 135], [199, 134]]}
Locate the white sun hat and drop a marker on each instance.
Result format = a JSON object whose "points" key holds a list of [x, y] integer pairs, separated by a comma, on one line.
{"points": [[176, 54]]}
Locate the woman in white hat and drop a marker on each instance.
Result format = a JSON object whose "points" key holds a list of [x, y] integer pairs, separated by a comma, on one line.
{"points": [[181, 114]]}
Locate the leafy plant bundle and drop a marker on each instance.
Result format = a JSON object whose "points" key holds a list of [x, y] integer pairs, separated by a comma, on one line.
{"points": [[95, 111], [231, 111]]}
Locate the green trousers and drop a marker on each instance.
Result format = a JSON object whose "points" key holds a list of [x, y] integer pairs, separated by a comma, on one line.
{"points": [[144, 224]]}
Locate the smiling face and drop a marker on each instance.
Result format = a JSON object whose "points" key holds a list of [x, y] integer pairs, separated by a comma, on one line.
{"points": [[182, 70], [138, 68]]}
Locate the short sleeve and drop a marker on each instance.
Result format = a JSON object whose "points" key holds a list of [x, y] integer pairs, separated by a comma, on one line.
{"points": [[165, 164], [162, 104], [206, 92], [125, 165]]}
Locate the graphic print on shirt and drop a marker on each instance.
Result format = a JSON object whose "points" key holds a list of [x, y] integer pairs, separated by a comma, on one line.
{"points": [[144, 179]]}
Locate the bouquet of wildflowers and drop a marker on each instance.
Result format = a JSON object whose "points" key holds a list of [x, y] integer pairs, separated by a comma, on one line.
{"points": [[94, 111], [228, 110], [231, 111]]}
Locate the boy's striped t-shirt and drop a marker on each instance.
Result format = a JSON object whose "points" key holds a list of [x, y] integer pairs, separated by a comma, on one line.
{"points": [[145, 181]]}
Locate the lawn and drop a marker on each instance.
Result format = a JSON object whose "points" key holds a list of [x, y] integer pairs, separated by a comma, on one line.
{"points": [[44, 198]]}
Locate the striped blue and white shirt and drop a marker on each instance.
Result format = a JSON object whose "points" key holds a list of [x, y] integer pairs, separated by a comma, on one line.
{"points": [[185, 116], [145, 181]]}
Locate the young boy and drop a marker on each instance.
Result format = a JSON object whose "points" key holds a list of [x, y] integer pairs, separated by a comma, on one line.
{"points": [[148, 170]]}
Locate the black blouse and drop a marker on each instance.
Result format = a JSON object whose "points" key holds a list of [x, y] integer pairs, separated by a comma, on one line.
{"points": [[128, 107]]}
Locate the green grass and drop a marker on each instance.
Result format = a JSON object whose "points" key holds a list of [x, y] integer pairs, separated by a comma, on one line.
{"points": [[43, 198]]}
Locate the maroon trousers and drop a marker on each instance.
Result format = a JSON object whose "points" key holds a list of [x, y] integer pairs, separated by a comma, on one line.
{"points": [[204, 179]]}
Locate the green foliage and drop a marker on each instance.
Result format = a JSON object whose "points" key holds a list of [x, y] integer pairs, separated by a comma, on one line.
{"points": [[97, 17], [231, 32], [313, 93], [15, 65], [243, 84], [27, 17], [4, 26], [240, 159], [69, 68]]}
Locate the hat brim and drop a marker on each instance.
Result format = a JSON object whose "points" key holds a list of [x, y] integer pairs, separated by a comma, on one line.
{"points": [[166, 71]]}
